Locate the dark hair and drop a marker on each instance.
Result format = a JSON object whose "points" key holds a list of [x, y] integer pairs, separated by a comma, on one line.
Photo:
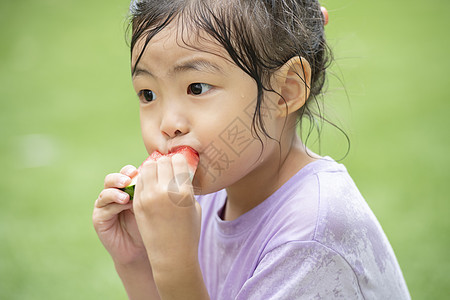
{"points": [[260, 36]]}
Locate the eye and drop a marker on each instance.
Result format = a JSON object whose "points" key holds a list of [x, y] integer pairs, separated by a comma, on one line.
{"points": [[146, 96], [198, 88]]}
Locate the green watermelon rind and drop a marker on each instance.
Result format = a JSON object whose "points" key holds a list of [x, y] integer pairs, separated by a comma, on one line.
{"points": [[129, 190], [155, 156]]}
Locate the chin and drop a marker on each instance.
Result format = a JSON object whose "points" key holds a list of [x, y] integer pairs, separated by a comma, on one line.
{"points": [[204, 186]]}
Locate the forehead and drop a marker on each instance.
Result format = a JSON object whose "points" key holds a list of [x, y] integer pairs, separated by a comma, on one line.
{"points": [[177, 39]]}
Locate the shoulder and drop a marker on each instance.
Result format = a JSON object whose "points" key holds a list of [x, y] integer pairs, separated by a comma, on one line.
{"points": [[310, 199], [347, 226], [327, 228], [326, 198], [305, 268]]}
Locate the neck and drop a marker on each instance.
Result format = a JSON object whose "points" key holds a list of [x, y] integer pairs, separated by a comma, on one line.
{"points": [[261, 182]]}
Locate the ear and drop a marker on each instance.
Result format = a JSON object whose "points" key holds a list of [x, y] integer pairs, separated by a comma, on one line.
{"points": [[293, 81]]}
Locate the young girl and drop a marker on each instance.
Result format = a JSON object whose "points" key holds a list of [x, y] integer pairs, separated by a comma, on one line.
{"points": [[269, 219]]}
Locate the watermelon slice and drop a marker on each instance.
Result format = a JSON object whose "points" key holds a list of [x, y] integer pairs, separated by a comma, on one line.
{"points": [[190, 154]]}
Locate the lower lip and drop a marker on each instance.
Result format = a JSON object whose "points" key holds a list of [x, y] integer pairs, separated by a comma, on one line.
{"points": [[179, 147]]}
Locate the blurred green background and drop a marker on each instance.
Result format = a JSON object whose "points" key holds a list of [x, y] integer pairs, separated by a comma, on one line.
{"points": [[69, 116]]}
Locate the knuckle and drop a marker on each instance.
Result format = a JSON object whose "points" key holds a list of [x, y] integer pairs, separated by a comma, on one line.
{"points": [[146, 200], [162, 190], [95, 215], [117, 180], [164, 160], [140, 197], [100, 199], [107, 179], [187, 186], [128, 170], [105, 194], [110, 180], [148, 164], [185, 190], [178, 160], [139, 204], [96, 218]]}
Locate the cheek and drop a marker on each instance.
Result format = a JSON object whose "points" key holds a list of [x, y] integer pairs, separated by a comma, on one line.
{"points": [[149, 130], [231, 150], [226, 162], [228, 151]]}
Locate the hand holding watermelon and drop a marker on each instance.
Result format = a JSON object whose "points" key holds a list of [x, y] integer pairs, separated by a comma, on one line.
{"points": [[114, 219], [113, 215], [116, 225], [190, 155], [167, 214]]}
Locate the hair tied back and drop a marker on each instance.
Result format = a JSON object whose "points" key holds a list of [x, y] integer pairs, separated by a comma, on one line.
{"points": [[325, 15]]}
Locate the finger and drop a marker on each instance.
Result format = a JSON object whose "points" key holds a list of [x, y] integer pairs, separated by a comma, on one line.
{"points": [[110, 211], [165, 171], [117, 180], [183, 195], [181, 169], [129, 171], [111, 195], [148, 173]]}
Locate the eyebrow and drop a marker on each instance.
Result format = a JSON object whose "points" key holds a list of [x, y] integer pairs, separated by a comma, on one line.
{"points": [[199, 65]]}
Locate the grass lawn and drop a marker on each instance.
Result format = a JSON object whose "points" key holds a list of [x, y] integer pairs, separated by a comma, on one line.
{"points": [[69, 116]]}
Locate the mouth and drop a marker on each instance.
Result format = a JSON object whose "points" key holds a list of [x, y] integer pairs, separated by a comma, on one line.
{"points": [[191, 155], [178, 148]]}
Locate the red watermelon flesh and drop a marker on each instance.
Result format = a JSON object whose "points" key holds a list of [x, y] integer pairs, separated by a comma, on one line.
{"points": [[190, 154]]}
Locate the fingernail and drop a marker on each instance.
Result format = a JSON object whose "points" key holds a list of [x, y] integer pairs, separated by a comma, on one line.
{"points": [[123, 180], [129, 170], [122, 197]]}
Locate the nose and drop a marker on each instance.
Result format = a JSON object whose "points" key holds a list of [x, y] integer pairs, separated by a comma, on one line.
{"points": [[174, 122]]}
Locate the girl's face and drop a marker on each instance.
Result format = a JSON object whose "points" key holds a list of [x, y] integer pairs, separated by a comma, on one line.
{"points": [[203, 100]]}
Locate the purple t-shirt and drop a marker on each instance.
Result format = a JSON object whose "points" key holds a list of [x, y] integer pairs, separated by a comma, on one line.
{"points": [[313, 238]]}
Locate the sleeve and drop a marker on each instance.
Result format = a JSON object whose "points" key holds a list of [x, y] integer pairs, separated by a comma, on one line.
{"points": [[302, 270]]}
